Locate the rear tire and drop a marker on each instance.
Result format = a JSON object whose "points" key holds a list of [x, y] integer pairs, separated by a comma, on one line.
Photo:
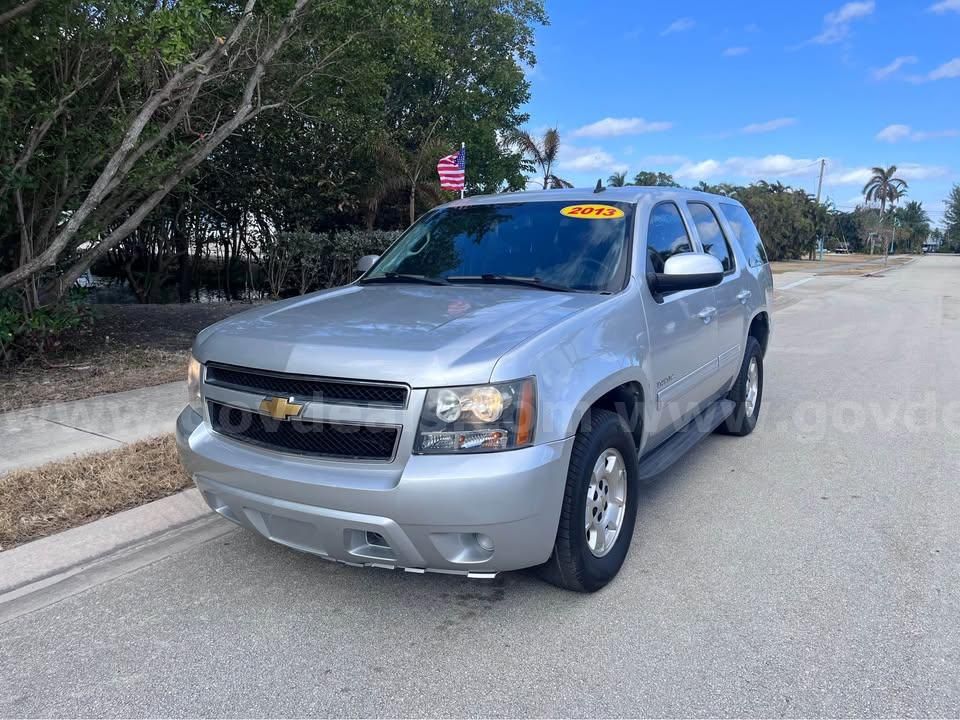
{"points": [[595, 529], [747, 393]]}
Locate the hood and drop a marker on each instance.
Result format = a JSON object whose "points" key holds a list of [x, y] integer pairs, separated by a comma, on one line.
{"points": [[417, 334]]}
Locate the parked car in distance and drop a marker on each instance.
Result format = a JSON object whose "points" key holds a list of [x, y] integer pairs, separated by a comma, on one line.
{"points": [[490, 394]]}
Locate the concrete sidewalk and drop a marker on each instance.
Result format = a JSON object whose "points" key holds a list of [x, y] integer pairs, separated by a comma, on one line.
{"points": [[53, 432]]}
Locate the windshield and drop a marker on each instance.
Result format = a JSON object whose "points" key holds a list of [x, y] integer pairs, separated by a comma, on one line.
{"points": [[577, 246]]}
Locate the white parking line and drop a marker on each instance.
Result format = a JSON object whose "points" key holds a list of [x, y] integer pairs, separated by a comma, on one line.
{"points": [[798, 282]]}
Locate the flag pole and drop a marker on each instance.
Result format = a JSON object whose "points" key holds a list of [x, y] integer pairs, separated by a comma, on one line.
{"points": [[463, 146]]}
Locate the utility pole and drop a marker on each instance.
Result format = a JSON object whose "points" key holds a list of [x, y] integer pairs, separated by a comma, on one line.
{"points": [[463, 149], [823, 163]]}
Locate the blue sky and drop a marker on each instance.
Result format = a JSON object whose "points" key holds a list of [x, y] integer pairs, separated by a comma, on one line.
{"points": [[738, 91]]}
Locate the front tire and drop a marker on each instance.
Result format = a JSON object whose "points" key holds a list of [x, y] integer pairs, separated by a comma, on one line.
{"points": [[599, 506], [747, 393]]}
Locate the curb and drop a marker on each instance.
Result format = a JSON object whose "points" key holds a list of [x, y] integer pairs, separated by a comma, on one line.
{"points": [[879, 273], [45, 562]]}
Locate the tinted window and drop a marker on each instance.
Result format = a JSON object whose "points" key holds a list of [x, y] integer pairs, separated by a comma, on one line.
{"points": [[712, 237], [666, 236], [585, 251], [746, 233]]}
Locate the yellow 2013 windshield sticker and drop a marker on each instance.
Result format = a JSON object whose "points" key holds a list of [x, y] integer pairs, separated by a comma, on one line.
{"points": [[592, 212]]}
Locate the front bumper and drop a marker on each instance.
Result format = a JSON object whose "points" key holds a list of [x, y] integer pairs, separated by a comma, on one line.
{"points": [[438, 513]]}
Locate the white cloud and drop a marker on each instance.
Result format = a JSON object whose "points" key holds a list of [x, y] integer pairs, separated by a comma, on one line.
{"points": [[588, 159], [915, 171], [934, 134], [612, 127], [945, 6], [680, 25], [896, 133], [768, 126], [949, 69], [703, 170], [907, 171], [753, 168], [780, 166], [857, 176], [836, 24], [735, 51], [888, 70]]}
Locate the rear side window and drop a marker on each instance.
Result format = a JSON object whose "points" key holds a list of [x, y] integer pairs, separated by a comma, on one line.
{"points": [[712, 237], [746, 233], [666, 236]]}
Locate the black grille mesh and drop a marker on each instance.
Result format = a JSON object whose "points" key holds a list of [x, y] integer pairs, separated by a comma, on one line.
{"points": [[325, 439], [332, 391]]}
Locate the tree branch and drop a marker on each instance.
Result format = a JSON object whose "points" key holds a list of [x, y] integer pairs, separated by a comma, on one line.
{"points": [[127, 146], [244, 113], [15, 12], [40, 131]]}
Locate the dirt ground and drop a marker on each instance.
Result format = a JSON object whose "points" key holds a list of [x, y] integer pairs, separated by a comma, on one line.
{"points": [[59, 495], [127, 347], [853, 264]]}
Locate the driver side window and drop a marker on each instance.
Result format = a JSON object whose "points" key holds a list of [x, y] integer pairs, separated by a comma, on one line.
{"points": [[666, 236]]}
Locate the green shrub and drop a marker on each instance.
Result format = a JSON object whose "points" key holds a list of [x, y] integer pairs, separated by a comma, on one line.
{"points": [[30, 335], [299, 262]]}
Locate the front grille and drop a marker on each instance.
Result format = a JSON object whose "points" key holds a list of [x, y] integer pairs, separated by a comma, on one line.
{"points": [[326, 390], [305, 437]]}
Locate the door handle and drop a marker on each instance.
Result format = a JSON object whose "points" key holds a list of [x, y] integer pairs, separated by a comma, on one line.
{"points": [[743, 296], [706, 314]]}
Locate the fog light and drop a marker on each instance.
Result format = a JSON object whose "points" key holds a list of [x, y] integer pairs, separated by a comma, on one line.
{"points": [[485, 541]]}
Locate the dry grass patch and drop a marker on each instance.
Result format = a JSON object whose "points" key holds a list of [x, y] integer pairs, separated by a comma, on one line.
{"points": [[107, 371], [853, 264], [61, 495]]}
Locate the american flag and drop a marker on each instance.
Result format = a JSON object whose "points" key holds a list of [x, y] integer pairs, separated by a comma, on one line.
{"points": [[451, 170]]}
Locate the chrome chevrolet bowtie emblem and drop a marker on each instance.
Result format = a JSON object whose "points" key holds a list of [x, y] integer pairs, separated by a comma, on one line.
{"points": [[280, 408]]}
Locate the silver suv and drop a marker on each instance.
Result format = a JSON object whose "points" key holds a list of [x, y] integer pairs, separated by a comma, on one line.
{"points": [[490, 394]]}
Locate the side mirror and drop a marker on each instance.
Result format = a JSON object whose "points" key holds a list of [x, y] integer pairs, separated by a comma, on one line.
{"points": [[688, 271], [366, 262]]}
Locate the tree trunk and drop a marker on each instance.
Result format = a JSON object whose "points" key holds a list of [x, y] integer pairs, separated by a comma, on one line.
{"points": [[883, 205], [130, 150], [413, 202], [226, 267], [181, 247]]}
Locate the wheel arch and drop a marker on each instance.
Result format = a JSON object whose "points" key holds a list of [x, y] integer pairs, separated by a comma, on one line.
{"points": [[622, 395], [760, 330]]}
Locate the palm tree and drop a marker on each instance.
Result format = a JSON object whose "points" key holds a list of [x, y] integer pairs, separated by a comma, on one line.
{"points": [[618, 179], [884, 187], [407, 171], [543, 152], [915, 222]]}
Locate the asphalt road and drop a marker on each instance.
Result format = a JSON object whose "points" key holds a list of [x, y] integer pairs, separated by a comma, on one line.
{"points": [[810, 569]]}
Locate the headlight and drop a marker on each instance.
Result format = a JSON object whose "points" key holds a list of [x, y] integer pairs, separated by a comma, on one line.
{"points": [[478, 418], [194, 378]]}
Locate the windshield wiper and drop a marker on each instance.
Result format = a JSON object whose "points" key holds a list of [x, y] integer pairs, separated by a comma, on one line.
{"points": [[404, 277], [533, 282]]}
